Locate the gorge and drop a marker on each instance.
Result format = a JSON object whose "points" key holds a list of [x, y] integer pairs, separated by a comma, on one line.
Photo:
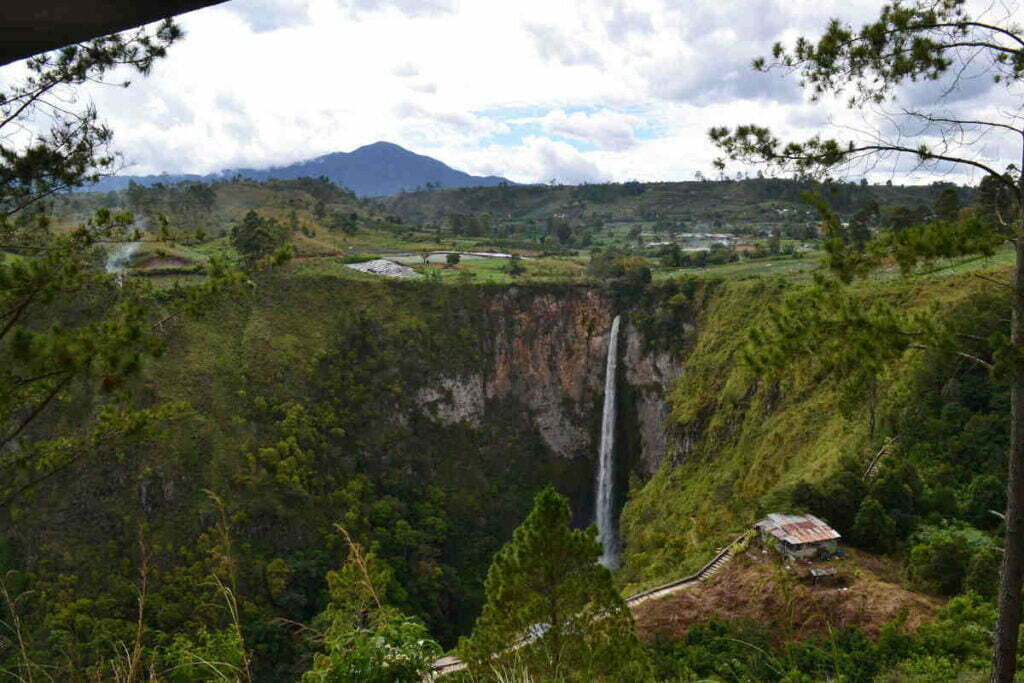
{"points": [[423, 419]]}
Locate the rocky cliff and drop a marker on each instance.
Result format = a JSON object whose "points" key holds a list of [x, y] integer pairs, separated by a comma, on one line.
{"points": [[547, 352]]}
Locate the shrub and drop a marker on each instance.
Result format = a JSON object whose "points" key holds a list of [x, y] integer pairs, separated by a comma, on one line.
{"points": [[940, 558], [873, 528]]}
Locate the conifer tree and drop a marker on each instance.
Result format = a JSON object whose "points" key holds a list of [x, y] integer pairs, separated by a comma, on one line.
{"points": [[65, 323], [912, 41], [551, 606]]}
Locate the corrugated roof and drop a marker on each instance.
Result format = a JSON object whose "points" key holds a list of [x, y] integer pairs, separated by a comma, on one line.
{"points": [[797, 528]]}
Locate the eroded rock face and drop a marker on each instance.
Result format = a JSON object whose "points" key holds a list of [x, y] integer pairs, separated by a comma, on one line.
{"points": [[547, 356], [651, 374], [455, 399]]}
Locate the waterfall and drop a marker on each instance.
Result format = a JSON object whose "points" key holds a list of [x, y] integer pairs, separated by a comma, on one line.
{"points": [[605, 475]]}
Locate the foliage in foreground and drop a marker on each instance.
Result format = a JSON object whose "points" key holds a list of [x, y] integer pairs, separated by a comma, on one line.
{"points": [[361, 637], [956, 646], [551, 606]]}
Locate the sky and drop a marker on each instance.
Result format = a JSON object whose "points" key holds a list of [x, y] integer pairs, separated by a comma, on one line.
{"points": [[569, 91]]}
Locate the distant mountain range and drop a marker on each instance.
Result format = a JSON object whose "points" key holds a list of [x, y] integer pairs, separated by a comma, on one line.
{"points": [[376, 170]]}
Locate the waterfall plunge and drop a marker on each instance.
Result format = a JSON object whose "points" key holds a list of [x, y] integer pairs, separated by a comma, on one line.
{"points": [[605, 474]]}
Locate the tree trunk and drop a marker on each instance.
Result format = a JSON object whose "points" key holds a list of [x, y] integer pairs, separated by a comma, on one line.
{"points": [[1004, 662]]}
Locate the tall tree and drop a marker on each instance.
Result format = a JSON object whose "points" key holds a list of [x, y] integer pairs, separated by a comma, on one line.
{"points": [[947, 204], [61, 320], [862, 222], [552, 606], [257, 238], [66, 324], [911, 41]]}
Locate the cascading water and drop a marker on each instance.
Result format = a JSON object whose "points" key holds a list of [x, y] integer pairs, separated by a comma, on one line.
{"points": [[605, 474]]}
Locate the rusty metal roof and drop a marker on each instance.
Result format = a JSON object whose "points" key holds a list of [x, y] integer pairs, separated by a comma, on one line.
{"points": [[797, 528]]}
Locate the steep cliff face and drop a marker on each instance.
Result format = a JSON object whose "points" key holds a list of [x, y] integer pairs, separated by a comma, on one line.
{"points": [[547, 353], [652, 375]]}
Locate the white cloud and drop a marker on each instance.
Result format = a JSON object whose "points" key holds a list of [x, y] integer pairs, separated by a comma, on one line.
{"points": [[411, 8], [578, 90], [625, 22], [272, 15], [606, 129], [405, 70], [555, 45], [535, 159], [429, 122]]}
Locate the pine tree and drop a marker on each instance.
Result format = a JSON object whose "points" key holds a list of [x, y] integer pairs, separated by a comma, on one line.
{"points": [[65, 324], [947, 205], [551, 606], [257, 238]]}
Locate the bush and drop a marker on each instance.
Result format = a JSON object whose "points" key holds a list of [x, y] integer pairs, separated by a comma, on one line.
{"points": [[985, 494], [514, 266], [256, 238], [941, 556], [983, 572], [873, 528]]}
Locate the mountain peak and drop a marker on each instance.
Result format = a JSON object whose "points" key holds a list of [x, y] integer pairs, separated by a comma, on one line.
{"points": [[380, 168], [383, 145]]}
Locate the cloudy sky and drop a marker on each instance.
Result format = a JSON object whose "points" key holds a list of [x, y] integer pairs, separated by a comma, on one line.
{"points": [[534, 90]]}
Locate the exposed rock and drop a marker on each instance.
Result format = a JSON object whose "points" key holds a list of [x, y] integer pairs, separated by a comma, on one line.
{"points": [[548, 355], [455, 399], [652, 374]]}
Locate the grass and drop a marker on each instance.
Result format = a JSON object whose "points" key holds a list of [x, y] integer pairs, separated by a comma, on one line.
{"points": [[747, 442], [783, 266]]}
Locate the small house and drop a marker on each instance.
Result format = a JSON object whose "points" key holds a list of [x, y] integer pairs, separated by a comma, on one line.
{"points": [[798, 536]]}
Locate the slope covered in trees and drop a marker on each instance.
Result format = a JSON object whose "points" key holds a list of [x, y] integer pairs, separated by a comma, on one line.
{"points": [[304, 405]]}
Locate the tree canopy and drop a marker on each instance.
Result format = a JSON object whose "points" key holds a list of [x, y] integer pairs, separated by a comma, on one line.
{"points": [[551, 606]]}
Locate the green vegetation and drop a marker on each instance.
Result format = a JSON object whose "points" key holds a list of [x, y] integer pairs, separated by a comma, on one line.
{"points": [[868, 67], [774, 231], [177, 464], [362, 638], [953, 647], [287, 403], [546, 586], [256, 239]]}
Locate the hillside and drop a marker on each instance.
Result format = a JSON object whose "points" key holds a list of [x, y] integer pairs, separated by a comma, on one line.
{"points": [[424, 418], [750, 228], [424, 415], [756, 587], [381, 168], [748, 206]]}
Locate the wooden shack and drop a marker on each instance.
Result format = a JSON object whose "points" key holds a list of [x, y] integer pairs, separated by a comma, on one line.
{"points": [[798, 536]]}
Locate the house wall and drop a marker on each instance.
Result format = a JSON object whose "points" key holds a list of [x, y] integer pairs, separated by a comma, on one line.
{"points": [[807, 550]]}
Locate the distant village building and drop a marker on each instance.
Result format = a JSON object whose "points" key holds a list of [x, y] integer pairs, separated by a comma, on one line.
{"points": [[798, 536]]}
